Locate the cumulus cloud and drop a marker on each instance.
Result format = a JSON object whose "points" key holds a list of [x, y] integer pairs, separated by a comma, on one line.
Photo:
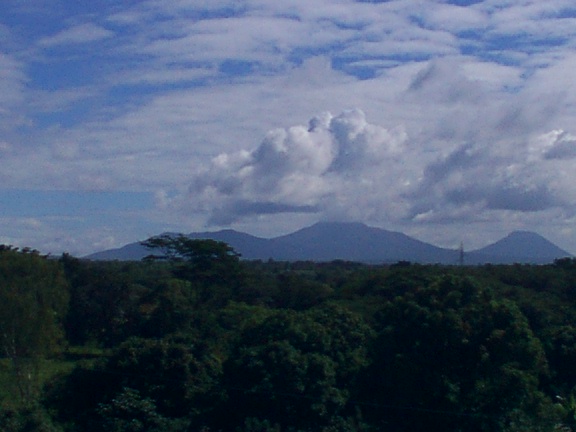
{"points": [[316, 168], [347, 168]]}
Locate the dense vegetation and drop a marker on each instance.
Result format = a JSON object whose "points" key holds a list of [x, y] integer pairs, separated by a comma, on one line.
{"points": [[194, 339]]}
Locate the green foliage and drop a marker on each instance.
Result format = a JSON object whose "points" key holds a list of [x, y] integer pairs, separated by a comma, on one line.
{"points": [[297, 369], [168, 309], [213, 267], [160, 384], [205, 259], [100, 308], [197, 340], [29, 419], [568, 404], [562, 357], [129, 412], [33, 303], [176, 372], [299, 293], [462, 358], [256, 425]]}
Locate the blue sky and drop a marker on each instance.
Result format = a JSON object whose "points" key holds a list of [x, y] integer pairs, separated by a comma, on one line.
{"points": [[452, 121]]}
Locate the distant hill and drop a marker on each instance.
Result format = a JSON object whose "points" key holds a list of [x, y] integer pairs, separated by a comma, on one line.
{"points": [[518, 247], [249, 246], [327, 241]]}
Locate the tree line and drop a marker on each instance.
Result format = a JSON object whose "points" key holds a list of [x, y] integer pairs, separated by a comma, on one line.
{"points": [[192, 338]]}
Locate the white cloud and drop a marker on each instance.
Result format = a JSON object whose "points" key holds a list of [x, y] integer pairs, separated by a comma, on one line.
{"points": [[66, 150], [317, 168], [556, 144], [501, 76], [12, 81], [470, 153], [79, 34], [5, 147], [51, 235], [60, 100], [264, 39], [456, 18], [163, 75], [476, 89]]}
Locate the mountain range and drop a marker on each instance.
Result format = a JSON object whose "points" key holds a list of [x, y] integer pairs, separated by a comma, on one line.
{"points": [[327, 241]]}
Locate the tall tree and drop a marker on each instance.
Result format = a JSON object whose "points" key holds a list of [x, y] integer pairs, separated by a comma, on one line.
{"points": [[210, 265]]}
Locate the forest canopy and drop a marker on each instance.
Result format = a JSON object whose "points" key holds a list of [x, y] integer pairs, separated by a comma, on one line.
{"points": [[201, 341]]}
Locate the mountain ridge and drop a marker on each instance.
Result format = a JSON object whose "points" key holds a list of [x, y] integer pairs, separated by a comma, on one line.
{"points": [[529, 247], [355, 241]]}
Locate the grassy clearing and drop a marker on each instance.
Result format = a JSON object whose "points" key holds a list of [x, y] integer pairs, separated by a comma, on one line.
{"points": [[43, 371]]}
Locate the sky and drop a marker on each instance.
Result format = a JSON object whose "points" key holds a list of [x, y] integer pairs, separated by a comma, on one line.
{"points": [[451, 121]]}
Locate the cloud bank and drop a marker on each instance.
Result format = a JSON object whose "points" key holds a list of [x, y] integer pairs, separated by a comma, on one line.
{"points": [[343, 167]]}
